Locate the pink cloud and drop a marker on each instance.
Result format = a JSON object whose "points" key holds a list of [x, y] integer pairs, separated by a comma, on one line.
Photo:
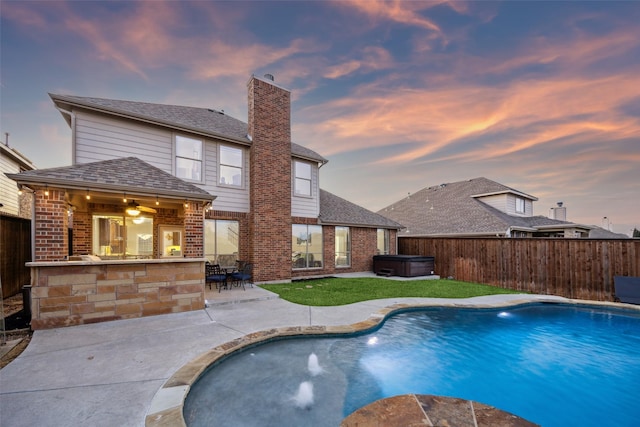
{"points": [[398, 11], [371, 58]]}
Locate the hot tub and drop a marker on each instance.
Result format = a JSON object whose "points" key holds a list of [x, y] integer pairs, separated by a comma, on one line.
{"points": [[403, 265]]}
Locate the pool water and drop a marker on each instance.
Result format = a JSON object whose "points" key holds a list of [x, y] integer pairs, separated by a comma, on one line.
{"points": [[555, 365]]}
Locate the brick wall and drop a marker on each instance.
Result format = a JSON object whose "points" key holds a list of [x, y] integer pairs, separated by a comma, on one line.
{"points": [[81, 244], [270, 177], [51, 225], [75, 293], [194, 230], [363, 248]]}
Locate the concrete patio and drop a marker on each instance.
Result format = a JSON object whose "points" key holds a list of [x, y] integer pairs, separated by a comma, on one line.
{"points": [[107, 374]]}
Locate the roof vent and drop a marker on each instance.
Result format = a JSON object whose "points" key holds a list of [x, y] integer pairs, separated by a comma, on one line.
{"points": [[269, 77]]}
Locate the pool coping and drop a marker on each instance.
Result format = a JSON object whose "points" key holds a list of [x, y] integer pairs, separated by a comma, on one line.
{"points": [[167, 405]]}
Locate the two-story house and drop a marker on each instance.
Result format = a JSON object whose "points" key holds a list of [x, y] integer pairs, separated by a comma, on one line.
{"points": [[157, 183], [475, 208]]}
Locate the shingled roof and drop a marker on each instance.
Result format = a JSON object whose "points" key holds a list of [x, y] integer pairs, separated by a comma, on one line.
{"points": [[338, 211], [203, 121], [128, 174], [456, 209]]}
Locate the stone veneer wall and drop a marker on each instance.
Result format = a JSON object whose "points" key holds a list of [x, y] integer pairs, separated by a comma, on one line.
{"points": [[75, 293]]}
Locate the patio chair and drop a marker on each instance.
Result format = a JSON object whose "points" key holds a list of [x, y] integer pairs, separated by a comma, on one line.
{"points": [[243, 276], [626, 289], [214, 274]]}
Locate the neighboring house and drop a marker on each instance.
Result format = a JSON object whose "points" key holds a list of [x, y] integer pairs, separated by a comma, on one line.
{"points": [[15, 223], [602, 233], [259, 192], [12, 201], [476, 207]]}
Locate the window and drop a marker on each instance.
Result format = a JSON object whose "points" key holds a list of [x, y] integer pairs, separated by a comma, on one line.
{"points": [[171, 241], [519, 205], [116, 236], [302, 180], [188, 158], [230, 166], [383, 241], [343, 247], [221, 241], [306, 246]]}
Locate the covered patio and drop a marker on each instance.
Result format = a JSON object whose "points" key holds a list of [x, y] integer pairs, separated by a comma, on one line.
{"points": [[112, 240]]}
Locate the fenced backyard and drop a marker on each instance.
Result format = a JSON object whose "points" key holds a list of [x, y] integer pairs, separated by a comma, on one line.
{"points": [[15, 251], [572, 268]]}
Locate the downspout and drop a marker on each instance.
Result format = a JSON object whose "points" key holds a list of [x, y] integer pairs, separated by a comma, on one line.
{"points": [[33, 225], [72, 116]]}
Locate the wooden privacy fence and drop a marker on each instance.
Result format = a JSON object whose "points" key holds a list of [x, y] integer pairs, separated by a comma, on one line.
{"points": [[15, 251], [572, 268]]}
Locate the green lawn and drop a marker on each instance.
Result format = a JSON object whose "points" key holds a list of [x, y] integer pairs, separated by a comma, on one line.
{"points": [[340, 291]]}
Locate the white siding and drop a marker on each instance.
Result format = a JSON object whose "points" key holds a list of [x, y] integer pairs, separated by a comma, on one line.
{"points": [[8, 187], [511, 206], [498, 201], [103, 138], [307, 207], [507, 203], [100, 138]]}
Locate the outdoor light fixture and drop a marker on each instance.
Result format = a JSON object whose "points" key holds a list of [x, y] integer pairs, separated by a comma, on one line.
{"points": [[157, 202], [88, 196], [20, 189], [186, 204], [132, 209], [46, 190], [124, 197]]}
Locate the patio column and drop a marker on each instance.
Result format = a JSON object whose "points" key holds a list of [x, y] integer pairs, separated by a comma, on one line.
{"points": [[51, 225], [194, 230]]}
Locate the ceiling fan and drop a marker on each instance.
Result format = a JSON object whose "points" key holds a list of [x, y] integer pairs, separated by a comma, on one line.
{"points": [[134, 209]]}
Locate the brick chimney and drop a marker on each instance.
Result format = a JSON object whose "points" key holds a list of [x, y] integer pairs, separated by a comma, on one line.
{"points": [[270, 179]]}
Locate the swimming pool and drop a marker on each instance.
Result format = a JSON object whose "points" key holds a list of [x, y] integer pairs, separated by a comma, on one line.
{"points": [[552, 364]]}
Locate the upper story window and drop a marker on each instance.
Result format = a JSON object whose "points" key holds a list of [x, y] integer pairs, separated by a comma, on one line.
{"points": [[302, 178], [519, 205], [230, 166], [188, 158]]}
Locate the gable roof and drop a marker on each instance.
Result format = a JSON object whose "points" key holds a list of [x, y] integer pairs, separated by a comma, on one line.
{"points": [[128, 174], [338, 211], [203, 121], [455, 209], [16, 157]]}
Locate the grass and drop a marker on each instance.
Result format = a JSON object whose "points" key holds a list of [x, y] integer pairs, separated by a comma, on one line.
{"points": [[341, 291]]}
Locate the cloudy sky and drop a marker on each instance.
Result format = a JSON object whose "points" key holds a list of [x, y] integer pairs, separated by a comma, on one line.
{"points": [[541, 96]]}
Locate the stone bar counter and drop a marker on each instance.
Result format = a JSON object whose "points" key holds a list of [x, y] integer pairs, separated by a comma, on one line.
{"points": [[67, 293]]}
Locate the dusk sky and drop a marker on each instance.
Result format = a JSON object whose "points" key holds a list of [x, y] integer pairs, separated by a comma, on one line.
{"points": [[543, 97]]}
